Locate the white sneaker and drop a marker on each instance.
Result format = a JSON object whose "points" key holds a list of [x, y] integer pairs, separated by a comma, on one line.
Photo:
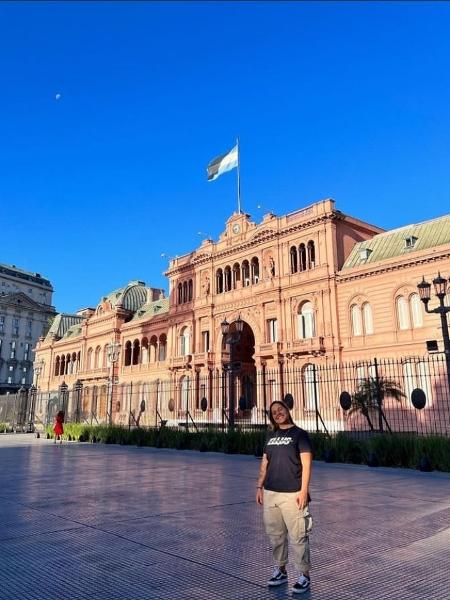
{"points": [[302, 585], [278, 577]]}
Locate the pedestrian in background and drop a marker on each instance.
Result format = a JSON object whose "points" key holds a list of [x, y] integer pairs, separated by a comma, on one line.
{"points": [[283, 491], [58, 427]]}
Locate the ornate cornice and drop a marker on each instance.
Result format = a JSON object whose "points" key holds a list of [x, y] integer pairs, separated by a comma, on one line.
{"points": [[257, 239]]}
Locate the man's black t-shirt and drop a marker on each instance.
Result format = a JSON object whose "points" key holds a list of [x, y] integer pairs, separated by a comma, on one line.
{"points": [[283, 448]]}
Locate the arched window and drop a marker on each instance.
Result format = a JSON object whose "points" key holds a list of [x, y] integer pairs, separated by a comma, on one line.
{"points": [[255, 270], [302, 257], [294, 259], [245, 274], [62, 365], [306, 326], [310, 388], [190, 289], [74, 363], [180, 293], [227, 279], [185, 341], [219, 281], [185, 291], [236, 274], [402, 313], [416, 310], [144, 346], [355, 314], [136, 352], [127, 358], [57, 361], [367, 318], [162, 347], [311, 255], [153, 348], [97, 357], [184, 393], [105, 356], [89, 359]]}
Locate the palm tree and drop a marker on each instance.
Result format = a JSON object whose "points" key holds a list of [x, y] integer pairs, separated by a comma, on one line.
{"points": [[370, 395]]}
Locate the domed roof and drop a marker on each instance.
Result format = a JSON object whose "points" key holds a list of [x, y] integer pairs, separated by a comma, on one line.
{"points": [[130, 297]]}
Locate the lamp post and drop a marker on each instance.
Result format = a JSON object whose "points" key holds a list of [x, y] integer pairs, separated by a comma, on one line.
{"points": [[34, 390], [232, 339], [113, 357], [440, 289]]}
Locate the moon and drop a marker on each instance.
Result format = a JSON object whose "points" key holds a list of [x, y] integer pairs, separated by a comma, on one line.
{"points": [[57, 96]]}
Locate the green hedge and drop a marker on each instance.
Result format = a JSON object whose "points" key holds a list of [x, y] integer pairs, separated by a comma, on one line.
{"points": [[391, 450]]}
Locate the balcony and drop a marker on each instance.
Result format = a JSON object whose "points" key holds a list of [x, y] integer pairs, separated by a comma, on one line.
{"points": [[313, 346], [271, 349], [203, 358], [181, 362]]}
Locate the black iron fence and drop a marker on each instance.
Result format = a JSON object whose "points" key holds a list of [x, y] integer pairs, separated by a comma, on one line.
{"points": [[388, 395]]}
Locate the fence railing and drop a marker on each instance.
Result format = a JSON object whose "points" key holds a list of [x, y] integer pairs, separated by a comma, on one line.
{"points": [[360, 397]]}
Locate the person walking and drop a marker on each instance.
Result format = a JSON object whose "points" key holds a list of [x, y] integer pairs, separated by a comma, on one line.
{"points": [[283, 491], [58, 427]]}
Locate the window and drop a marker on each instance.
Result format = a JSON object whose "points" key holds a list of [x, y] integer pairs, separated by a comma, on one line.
{"points": [[205, 341], [184, 393], [184, 341], [294, 261], [29, 328], [306, 326], [416, 310], [1, 343], [311, 390], [410, 241], [23, 380], [9, 379], [417, 375], [355, 313], [311, 255], [402, 313], [162, 347], [15, 327], [89, 359], [13, 350], [2, 324], [272, 330], [26, 352], [11, 368], [367, 318]]}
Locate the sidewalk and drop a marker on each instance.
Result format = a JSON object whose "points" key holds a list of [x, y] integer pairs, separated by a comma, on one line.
{"points": [[97, 522]]}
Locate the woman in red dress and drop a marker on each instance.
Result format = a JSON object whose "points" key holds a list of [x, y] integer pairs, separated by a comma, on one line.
{"points": [[58, 428]]}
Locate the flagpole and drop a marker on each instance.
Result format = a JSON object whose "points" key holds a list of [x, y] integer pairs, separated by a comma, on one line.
{"points": [[238, 178]]}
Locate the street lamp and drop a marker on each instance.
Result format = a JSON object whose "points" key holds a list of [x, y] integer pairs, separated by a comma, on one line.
{"points": [[113, 357], [232, 339], [440, 289]]}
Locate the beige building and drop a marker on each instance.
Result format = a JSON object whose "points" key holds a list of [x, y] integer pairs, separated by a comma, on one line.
{"points": [[25, 310], [312, 289]]}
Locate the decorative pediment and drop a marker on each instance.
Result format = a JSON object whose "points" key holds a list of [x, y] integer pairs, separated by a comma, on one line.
{"points": [[20, 300]]}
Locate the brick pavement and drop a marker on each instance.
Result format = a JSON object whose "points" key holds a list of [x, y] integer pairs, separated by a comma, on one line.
{"points": [[82, 521]]}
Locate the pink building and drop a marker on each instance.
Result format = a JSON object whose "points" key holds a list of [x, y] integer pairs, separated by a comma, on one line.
{"points": [[312, 290]]}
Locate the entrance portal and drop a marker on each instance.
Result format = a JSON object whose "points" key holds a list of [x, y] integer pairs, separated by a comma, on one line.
{"points": [[238, 351]]}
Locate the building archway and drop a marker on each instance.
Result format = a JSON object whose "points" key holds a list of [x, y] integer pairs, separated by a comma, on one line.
{"points": [[240, 355]]}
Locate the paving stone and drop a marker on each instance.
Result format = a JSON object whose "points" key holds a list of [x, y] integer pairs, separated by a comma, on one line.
{"points": [[84, 521]]}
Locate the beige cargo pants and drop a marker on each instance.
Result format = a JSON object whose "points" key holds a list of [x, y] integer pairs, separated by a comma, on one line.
{"points": [[284, 522]]}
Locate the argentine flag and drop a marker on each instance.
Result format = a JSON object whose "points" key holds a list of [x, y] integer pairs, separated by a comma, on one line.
{"points": [[223, 163]]}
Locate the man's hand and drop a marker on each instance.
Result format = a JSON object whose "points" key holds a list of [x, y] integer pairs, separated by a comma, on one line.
{"points": [[302, 499], [259, 496]]}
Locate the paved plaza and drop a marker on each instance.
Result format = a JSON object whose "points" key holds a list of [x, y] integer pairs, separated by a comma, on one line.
{"points": [[97, 522]]}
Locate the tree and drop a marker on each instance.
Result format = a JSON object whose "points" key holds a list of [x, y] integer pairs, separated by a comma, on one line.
{"points": [[370, 395]]}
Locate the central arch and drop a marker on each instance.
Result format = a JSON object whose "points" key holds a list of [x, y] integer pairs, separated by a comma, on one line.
{"points": [[240, 355]]}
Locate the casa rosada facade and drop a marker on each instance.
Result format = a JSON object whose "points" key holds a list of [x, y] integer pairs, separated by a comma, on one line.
{"points": [[315, 287]]}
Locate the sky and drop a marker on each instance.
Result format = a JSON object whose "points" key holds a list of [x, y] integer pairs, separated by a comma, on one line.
{"points": [[111, 111]]}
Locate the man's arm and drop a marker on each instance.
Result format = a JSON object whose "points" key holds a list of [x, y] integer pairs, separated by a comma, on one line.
{"points": [[306, 460], [261, 479]]}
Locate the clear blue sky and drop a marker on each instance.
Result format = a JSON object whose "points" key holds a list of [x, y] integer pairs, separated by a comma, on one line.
{"points": [[349, 100]]}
